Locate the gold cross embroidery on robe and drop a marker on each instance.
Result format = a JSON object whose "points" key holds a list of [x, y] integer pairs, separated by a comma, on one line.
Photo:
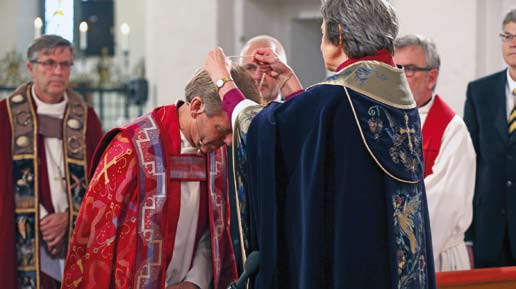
{"points": [[111, 163], [408, 131]]}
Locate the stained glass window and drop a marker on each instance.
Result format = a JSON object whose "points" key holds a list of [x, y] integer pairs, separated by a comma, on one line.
{"points": [[59, 18]]}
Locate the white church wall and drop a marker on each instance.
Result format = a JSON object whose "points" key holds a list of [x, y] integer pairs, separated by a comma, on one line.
{"points": [[489, 18], [226, 28], [453, 27], [294, 24], [17, 22], [25, 22], [8, 11], [466, 34], [302, 34], [132, 13], [178, 35]]}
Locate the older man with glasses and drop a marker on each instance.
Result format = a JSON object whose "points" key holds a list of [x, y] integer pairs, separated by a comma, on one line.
{"points": [[448, 152], [50, 134], [490, 116]]}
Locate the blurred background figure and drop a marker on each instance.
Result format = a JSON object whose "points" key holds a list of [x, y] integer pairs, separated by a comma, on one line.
{"points": [[50, 134]]}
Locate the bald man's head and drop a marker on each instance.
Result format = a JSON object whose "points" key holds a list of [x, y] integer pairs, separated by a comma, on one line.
{"points": [[264, 41], [269, 89]]}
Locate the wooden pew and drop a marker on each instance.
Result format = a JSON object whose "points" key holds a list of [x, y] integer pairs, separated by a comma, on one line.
{"points": [[489, 278]]}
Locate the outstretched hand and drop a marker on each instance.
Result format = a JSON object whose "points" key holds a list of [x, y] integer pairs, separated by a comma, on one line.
{"points": [[269, 62], [217, 65]]}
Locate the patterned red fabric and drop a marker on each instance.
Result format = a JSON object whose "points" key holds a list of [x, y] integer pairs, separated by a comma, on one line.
{"points": [[223, 258], [104, 239], [105, 251], [438, 118]]}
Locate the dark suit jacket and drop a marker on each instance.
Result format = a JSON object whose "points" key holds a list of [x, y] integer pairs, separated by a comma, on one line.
{"points": [[494, 207]]}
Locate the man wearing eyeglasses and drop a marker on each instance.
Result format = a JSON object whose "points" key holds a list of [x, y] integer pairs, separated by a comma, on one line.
{"points": [[49, 135], [448, 153], [490, 116]]}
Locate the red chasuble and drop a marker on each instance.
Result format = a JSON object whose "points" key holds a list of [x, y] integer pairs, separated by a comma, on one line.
{"points": [[438, 118], [125, 231]]}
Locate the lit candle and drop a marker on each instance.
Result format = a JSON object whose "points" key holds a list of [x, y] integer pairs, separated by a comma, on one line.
{"points": [[38, 23], [83, 35], [125, 30]]}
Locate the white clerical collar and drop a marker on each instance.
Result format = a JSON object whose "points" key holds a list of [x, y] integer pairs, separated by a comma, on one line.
{"points": [[511, 84], [426, 107], [50, 109]]}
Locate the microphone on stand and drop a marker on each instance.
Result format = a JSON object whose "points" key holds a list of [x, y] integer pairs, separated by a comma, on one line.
{"points": [[251, 267]]}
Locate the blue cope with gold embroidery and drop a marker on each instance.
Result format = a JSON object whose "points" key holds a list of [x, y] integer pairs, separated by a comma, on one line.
{"points": [[336, 192]]}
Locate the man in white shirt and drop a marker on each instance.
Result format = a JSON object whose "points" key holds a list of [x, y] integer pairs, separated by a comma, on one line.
{"points": [[448, 152]]}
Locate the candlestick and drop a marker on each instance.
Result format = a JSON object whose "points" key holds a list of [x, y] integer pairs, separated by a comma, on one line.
{"points": [[83, 35], [38, 23], [124, 43]]}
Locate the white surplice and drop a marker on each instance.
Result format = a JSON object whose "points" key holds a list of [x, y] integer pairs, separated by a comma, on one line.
{"points": [[449, 192], [56, 171]]}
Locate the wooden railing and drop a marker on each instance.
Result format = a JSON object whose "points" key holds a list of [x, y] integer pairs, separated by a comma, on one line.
{"points": [[489, 278]]}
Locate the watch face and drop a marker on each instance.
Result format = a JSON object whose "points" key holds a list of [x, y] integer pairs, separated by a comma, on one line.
{"points": [[220, 83]]}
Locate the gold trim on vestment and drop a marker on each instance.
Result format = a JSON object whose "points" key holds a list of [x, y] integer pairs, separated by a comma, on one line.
{"points": [[21, 101], [76, 110], [367, 146], [367, 77], [24, 156], [236, 141]]}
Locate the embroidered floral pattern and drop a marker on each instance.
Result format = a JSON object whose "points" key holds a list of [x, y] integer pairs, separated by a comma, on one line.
{"points": [[375, 122], [409, 236]]}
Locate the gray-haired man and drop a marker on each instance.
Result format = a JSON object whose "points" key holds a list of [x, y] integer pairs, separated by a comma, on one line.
{"points": [[448, 152]]}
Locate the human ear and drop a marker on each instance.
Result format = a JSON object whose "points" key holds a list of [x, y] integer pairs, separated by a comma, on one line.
{"points": [[196, 106], [432, 78], [30, 67]]}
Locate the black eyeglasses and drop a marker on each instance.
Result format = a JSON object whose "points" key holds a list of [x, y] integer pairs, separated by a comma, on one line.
{"points": [[507, 37], [52, 65], [410, 70]]}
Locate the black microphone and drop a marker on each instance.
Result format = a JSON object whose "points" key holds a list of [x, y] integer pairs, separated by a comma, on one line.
{"points": [[251, 267]]}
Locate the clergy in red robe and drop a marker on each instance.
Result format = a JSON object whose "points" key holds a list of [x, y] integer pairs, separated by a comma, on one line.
{"points": [[50, 134], [156, 212], [449, 154]]}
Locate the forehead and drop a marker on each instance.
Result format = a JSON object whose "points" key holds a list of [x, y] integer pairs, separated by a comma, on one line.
{"points": [[410, 55], [510, 28], [61, 52]]}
